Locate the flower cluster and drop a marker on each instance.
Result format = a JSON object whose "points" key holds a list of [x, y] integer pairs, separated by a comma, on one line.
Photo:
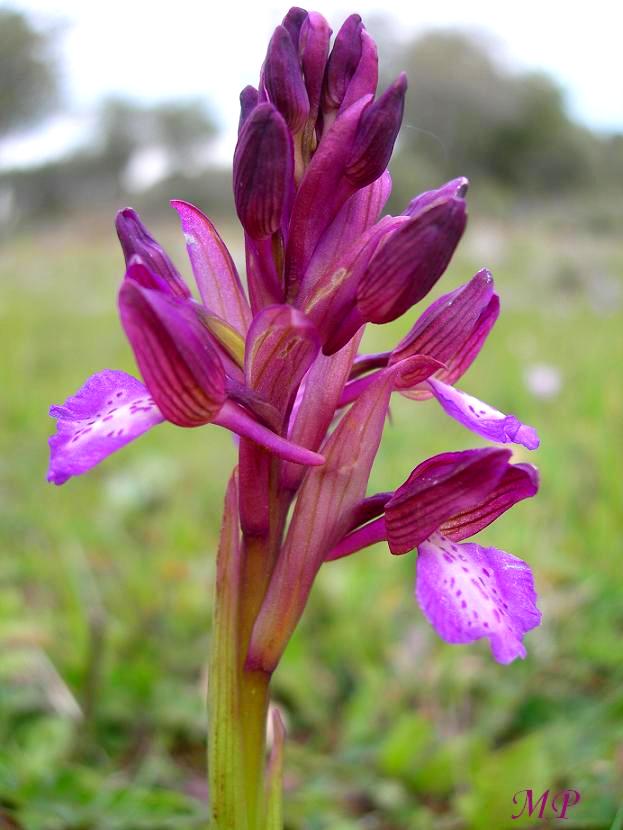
{"points": [[276, 359]]}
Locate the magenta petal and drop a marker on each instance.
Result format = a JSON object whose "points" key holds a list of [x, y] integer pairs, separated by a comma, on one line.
{"points": [[314, 38], [357, 216], [174, 352], [109, 411], [443, 329], [366, 76], [136, 241], [343, 61], [481, 418], [315, 405], [322, 192], [213, 267], [467, 592], [281, 346], [520, 481], [439, 489]]}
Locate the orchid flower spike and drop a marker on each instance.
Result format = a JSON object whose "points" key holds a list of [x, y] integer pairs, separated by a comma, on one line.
{"points": [[274, 356]]}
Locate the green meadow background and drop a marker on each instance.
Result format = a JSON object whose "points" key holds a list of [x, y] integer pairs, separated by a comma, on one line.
{"points": [[106, 582]]}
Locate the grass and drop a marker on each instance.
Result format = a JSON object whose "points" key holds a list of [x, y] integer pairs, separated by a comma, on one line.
{"points": [[105, 583]]}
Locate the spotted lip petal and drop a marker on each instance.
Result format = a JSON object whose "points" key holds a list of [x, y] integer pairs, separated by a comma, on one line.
{"points": [[467, 592], [437, 490], [481, 418], [109, 411]]}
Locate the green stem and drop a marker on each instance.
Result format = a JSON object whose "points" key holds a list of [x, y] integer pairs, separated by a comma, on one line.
{"points": [[258, 557]]}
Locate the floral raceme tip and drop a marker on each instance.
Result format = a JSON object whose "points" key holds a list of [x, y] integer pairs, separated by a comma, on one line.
{"points": [[273, 353]]}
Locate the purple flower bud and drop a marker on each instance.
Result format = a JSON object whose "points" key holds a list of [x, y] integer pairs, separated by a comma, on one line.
{"points": [[455, 188], [174, 352], [314, 49], [366, 77], [283, 80], [410, 261], [376, 135], [293, 22], [343, 62], [263, 168], [137, 241], [249, 98]]}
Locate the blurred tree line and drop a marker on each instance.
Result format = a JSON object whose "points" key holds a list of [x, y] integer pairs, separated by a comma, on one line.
{"points": [[466, 114]]}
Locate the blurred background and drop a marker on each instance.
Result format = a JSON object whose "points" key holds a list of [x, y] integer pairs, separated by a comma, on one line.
{"points": [[105, 584]]}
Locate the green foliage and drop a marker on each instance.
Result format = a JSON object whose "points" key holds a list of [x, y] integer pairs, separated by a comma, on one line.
{"points": [[105, 583]]}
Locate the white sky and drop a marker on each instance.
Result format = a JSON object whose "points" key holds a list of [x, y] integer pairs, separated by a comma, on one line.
{"points": [[152, 50]]}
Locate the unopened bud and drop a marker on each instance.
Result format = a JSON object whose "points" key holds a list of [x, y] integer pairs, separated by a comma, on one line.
{"points": [[283, 79], [376, 134], [263, 167]]}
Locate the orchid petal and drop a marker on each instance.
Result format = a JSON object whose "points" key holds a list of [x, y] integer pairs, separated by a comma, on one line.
{"points": [[213, 267], [357, 215], [283, 79], [174, 352], [235, 418], [281, 346], [313, 45], [376, 135], [520, 481], [249, 99], [315, 406], [137, 241], [343, 61], [459, 363], [437, 490], [443, 328], [366, 76], [467, 592], [481, 418], [109, 411]]}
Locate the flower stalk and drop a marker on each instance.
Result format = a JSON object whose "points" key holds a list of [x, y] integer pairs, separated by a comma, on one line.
{"points": [[275, 358]]}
